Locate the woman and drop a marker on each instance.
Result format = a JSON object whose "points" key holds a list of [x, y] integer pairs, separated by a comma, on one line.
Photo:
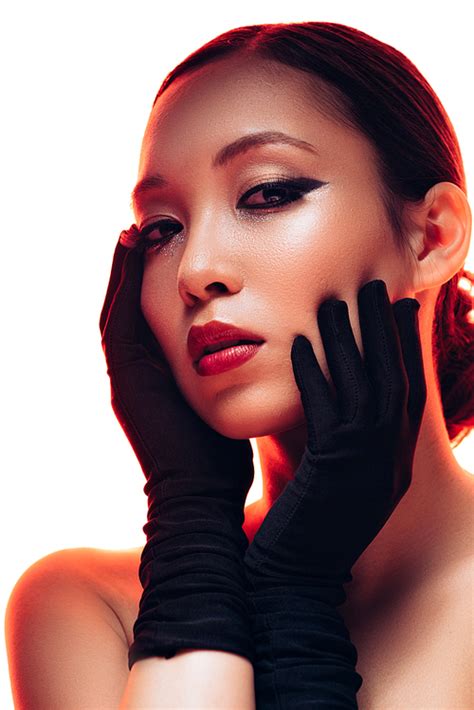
{"points": [[375, 185]]}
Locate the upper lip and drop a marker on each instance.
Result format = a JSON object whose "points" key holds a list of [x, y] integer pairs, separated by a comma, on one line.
{"points": [[215, 331]]}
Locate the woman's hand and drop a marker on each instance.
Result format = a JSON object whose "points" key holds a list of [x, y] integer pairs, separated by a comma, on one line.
{"points": [[356, 467], [197, 483], [165, 432]]}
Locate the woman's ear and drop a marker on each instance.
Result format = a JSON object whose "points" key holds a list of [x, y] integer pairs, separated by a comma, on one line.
{"points": [[440, 235]]}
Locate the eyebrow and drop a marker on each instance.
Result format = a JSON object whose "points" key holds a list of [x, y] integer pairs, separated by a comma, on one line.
{"points": [[222, 157]]}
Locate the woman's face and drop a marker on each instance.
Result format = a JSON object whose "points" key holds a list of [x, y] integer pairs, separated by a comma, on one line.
{"points": [[242, 259]]}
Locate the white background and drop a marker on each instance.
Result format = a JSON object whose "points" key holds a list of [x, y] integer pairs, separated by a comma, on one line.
{"points": [[78, 82]]}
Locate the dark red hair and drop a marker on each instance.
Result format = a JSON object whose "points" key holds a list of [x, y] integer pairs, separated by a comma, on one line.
{"points": [[372, 86]]}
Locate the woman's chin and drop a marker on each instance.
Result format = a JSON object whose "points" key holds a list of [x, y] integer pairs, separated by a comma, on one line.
{"points": [[252, 426], [250, 410], [233, 429]]}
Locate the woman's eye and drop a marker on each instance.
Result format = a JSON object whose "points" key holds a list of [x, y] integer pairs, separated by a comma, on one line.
{"points": [[162, 227], [280, 192], [277, 193]]}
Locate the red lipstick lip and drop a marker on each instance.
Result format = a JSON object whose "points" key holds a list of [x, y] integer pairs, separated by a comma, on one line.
{"points": [[226, 359], [214, 332]]}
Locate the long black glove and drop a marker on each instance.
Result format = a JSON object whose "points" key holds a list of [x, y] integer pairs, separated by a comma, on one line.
{"points": [[356, 467], [191, 567]]}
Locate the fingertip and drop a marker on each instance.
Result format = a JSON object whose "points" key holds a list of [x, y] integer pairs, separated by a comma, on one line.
{"points": [[301, 353], [130, 237], [373, 287], [372, 298], [326, 307], [406, 306], [326, 316], [299, 346]]}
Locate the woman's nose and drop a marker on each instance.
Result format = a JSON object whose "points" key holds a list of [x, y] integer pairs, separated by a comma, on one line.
{"points": [[208, 265]]}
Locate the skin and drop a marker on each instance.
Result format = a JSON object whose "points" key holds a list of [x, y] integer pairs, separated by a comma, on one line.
{"points": [[270, 274]]}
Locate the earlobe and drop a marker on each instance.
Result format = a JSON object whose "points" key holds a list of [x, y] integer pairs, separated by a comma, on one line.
{"points": [[442, 235]]}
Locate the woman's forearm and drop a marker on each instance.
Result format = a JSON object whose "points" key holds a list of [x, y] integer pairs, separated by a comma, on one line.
{"points": [[191, 679]]}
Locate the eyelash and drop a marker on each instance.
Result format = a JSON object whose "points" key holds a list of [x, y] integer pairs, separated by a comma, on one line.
{"points": [[300, 187]]}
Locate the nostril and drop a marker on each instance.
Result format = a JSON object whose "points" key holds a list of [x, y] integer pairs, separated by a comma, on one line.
{"points": [[218, 286]]}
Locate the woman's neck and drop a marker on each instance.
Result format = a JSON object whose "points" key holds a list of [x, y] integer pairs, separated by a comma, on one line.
{"points": [[429, 527]]}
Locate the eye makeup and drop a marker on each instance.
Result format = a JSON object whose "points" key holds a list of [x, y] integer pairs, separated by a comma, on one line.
{"points": [[295, 189]]}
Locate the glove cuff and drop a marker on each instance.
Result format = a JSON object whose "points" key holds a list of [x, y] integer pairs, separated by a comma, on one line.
{"points": [[192, 574], [303, 650]]}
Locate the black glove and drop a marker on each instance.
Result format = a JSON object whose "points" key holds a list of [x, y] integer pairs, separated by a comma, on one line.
{"points": [[191, 567], [356, 467]]}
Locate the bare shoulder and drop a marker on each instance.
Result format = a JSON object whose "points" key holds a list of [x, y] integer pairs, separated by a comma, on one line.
{"points": [[114, 575], [89, 566], [451, 604], [109, 575], [67, 626], [461, 581], [453, 581]]}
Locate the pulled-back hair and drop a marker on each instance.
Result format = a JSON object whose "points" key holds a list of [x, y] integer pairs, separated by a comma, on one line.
{"points": [[373, 87]]}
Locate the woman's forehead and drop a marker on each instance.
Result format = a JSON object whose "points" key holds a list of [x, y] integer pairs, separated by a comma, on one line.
{"points": [[234, 90], [228, 100]]}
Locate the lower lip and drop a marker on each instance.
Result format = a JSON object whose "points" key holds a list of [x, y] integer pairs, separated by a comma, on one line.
{"points": [[226, 359]]}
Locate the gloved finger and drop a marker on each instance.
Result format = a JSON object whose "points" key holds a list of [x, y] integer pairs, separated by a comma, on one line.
{"points": [[382, 348], [151, 344], [354, 394], [316, 396], [406, 315], [126, 239], [122, 319]]}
